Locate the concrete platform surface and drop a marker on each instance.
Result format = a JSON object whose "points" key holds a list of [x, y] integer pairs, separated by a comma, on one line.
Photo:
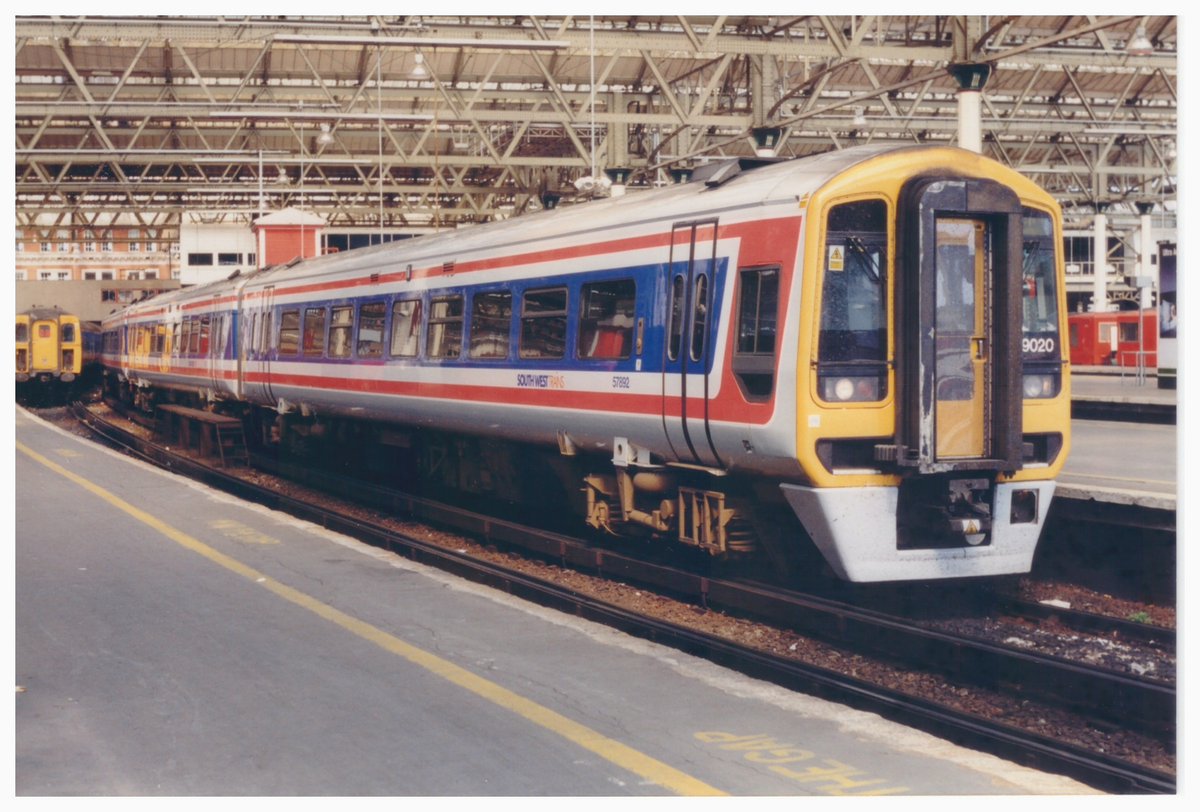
{"points": [[171, 640]]}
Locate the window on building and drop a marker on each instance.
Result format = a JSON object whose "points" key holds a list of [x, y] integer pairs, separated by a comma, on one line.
{"points": [[106, 246], [89, 247], [64, 276], [106, 274], [46, 247], [20, 276], [229, 259], [149, 274], [46, 276], [200, 259], [132, 275]]}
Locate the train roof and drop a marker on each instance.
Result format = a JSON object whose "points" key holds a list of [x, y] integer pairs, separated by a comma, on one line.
{"points": [[38, 313], [759, 183], [721, 186]]}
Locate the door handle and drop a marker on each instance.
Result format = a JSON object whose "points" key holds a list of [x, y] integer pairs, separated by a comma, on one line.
{"points": [[979, 347]]}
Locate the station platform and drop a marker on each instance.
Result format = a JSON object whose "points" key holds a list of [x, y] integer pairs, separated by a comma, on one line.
{"points": [[1113, 393], [171, 640]]}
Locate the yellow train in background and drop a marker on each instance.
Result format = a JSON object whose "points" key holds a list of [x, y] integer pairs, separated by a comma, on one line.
{"points": [[54, 346]]}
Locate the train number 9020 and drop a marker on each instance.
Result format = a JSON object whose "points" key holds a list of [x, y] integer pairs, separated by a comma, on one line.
{"points": [[1037, 346]]}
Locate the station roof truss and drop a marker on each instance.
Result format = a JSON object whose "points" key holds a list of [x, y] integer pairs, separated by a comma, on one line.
{"points": [[420, 121]]}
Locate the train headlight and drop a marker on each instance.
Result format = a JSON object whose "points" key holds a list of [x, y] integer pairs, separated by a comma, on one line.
{"points": [[1041, 385], [850, 388]]}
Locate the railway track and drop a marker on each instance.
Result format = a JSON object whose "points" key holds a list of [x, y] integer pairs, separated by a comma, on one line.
{"points": [[1100, 694]]}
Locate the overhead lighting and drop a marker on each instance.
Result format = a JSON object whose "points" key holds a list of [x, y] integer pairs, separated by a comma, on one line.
{"points": [[860, 116], [418, 70], [1140, 45], [326, 137]]}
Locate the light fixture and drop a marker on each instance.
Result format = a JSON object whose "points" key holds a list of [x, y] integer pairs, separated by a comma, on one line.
{"points": [[860, 116], [326, 137], [418, 71], [1140, 45]]}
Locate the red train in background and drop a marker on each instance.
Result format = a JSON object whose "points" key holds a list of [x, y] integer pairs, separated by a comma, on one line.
{"points": [[1111, 339]]}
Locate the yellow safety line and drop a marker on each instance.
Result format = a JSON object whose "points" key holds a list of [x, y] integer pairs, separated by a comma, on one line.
{"points": [[613, 751]]}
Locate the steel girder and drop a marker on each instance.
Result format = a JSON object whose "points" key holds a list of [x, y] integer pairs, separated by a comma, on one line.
{"points": [[461, 119]]}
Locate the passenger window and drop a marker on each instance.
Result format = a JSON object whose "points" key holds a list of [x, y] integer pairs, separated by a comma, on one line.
{"points": [[491, 319], [22, 332], [204, 334], [445, 328], [264, 333], [758, 306], [676, 329], [194, 336], [606, 316], [699, 317], [370, 329], [406, 328], [175, 338], [314, 331], [340, 326], [289, 332], [68, 333], [544, 323]]}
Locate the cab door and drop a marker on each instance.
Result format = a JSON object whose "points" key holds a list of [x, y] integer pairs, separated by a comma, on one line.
{"points": [[962, 374], [959, 325], [44, 352]]}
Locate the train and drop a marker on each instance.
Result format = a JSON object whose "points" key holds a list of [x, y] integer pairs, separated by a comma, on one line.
{"points": [[851, 361], [1125, 338], [54, 349]]}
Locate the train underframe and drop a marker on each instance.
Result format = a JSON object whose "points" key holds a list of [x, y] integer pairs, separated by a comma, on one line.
{"points": [[930, 527]]}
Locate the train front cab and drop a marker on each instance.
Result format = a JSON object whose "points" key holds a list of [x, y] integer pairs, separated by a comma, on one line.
{"points": [[934, 413], [49, 346], [22, 359]]}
